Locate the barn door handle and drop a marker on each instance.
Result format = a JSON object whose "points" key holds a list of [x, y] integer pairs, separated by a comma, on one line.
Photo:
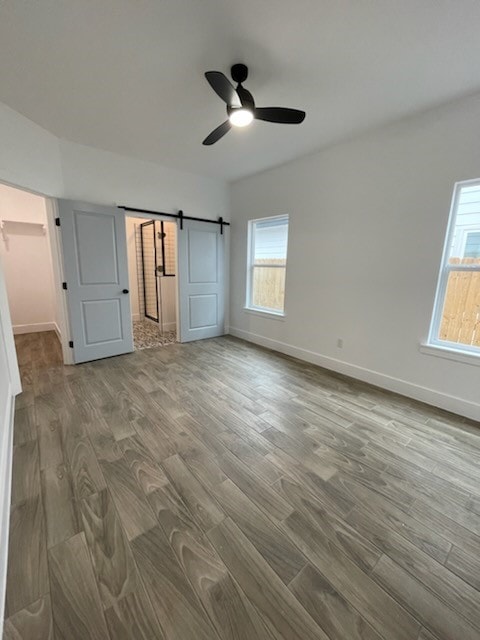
{"points": [[125, 291]]}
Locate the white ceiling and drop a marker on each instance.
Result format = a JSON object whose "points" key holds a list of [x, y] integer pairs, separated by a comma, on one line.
{"points": [[127, 75]]}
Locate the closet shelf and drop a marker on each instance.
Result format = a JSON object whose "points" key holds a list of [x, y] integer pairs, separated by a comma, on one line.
{"points": [[4, 223]]}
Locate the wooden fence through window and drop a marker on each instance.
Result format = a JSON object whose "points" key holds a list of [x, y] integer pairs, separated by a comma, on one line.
{"points": [[461, 310]]}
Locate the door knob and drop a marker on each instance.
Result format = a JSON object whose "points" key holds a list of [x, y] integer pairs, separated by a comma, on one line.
{"points": [[125, 291]]}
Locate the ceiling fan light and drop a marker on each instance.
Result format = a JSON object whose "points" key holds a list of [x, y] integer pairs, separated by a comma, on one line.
{"points": [[241, 117]]}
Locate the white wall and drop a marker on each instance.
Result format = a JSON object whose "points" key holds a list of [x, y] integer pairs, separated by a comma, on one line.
{"points": [[27, 261], [168, 302], [367, 227], [107, 178], [29, 155], [131, 224], [33, 158]]}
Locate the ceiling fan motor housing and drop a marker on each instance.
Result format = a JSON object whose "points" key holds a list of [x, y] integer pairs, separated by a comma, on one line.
{"points": [[239, 73]]}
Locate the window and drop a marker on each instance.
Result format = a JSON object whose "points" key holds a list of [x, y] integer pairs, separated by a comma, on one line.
{"points": [[456, 316], [267, 264], [472, 245]]}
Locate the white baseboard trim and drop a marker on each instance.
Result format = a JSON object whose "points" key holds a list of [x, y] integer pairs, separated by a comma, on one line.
{"points": [[397, 385], [6, 449], [57, 331], [136, 317], [169, 326], [34, 328]]}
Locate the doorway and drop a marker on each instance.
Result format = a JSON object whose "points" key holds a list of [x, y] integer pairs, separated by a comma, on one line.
{"points": [[152, 266], [28, 267]]}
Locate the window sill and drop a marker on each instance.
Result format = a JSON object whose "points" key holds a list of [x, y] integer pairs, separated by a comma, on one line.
{"points": [[467, 357], [265, 314]]}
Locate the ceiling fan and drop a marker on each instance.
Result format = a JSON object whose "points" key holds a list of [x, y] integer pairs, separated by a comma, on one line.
{"points": [[241, 109]]}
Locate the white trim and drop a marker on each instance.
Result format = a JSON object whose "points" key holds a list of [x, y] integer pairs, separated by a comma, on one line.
{"points": [[397, 385], [56, 251], [58, 332], [6, 449], [34, 328], [263, 313], [7, 332], [451, 353], [169, 326], [136, 317], [250, 259], [445, 267]]}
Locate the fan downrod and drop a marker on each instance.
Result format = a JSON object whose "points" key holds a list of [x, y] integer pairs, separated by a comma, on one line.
{"points": [[239, 73]]}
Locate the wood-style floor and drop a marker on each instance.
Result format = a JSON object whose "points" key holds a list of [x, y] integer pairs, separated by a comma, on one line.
{"points": [[218, 491]]}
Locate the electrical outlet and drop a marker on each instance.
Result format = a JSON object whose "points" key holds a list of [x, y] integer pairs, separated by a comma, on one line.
{"points": [[340, 343]]}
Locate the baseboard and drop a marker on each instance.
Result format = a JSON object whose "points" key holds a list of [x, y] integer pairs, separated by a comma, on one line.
{"points": [[136, 317], [34, 328], [169, 326], [6, 449], [397, 385], [57, 331]]}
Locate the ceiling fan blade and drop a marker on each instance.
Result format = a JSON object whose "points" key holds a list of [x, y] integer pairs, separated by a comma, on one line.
{"points": [[223, 88], [218, 133], [280, 114]]}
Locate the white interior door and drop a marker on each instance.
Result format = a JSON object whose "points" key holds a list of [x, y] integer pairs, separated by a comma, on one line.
{"points": [[96, 270], [201, 268]]}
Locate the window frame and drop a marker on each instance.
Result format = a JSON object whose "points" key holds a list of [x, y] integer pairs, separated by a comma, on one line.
{"points": [[442, 282], [249, 306]]}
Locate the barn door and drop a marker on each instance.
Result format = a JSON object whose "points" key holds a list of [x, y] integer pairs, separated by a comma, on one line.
{"points": [[96, 270], [201, 267]]}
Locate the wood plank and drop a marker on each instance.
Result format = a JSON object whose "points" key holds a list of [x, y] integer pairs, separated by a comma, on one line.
{"points": [[329, 609], [451, 530], [265, 497], [27, 576], [283, 556], [147, 472], [179, 612], [204, 508], [101, 437], [76, 604], [25, 472], [133, 509], [87, 477], [337, 531], [397, 521], [303, 451], [61, 515], [260, 465], [50, 443], [465, 566], [133, 618], [24, 425], [32, 623], [382, 612], [230, 612], [112, 558], [282, 613], [436, 615], [446, 586], [426, 635]]}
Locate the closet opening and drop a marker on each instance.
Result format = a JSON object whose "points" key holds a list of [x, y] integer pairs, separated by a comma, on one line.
{"points": [[27, 261]]}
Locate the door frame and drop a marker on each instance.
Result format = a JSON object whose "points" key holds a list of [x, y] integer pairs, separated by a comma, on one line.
{"points": [[55, 248], [146, 216]]}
